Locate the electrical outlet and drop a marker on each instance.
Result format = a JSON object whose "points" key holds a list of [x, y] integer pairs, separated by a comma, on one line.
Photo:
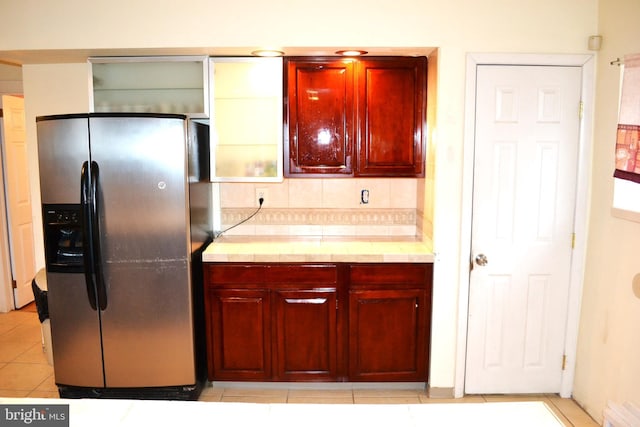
{"points": [[261, 193], [364, 196]]}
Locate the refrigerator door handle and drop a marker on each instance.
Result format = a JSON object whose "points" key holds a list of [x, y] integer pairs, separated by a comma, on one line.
{"points": [[95, 232], [87, 252]]}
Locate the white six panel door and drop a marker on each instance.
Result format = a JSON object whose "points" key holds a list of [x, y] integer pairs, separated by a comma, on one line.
{"points": [[525, 168], [19, 217]]}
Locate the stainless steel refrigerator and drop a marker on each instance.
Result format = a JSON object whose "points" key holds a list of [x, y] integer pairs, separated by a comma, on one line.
{"points": [[126, 214]]}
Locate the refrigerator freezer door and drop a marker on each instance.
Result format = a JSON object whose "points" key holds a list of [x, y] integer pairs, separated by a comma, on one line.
{"points": [[75, 332], [63, 145], [147, 326]]}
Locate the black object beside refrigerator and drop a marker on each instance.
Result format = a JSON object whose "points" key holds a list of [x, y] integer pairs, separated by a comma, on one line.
{"points": [[126, 202]]}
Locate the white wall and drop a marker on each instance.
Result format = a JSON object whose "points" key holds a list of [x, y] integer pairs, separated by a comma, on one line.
{"points": [[545, 25], [455, 26], [608, 359], [10, 73], [10, 80], [49, 89]]}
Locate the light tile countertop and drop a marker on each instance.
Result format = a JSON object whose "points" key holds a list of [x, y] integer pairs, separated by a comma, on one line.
{"points": [[318, 249]]}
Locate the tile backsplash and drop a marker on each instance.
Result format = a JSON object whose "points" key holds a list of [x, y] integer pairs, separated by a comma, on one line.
{"points": [[324, 207]]}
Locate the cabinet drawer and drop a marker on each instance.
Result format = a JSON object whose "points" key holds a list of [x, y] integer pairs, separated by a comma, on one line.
{"points": [[409, 275], [264, 274]]}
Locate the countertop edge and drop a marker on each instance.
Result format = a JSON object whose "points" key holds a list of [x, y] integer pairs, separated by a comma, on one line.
{"points": [[319, 250]]}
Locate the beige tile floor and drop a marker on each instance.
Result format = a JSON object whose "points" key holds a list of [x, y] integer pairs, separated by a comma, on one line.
{"points": [[24, 372]]}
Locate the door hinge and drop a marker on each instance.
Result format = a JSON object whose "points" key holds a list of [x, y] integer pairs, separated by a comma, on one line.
{"points": [[581, 110], [14, 284], [573, 240], [564, 362]]}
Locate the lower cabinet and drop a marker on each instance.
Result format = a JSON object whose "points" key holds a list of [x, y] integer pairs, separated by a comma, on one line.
{"points": [[272, 322], [389, 322], [305, 334], [318, 322], [238, 334]]}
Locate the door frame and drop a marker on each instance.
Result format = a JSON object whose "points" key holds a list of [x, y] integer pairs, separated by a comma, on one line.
{"points": [[6, 291], [585, 147]]}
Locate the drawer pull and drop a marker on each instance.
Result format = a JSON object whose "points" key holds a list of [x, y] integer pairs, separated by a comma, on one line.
{"points": [[306, 300]]}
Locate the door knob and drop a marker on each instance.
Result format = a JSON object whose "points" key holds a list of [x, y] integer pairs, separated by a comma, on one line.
{"points": [[481, 260]]}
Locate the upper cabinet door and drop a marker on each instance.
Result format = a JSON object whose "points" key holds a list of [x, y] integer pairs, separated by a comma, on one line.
{"points": [[246, 119], [155, 84], [355, 117], [319, 119], [391, 116]]}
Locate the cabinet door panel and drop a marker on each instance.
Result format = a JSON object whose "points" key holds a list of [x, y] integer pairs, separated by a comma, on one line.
{"points": [[391, 116], [306, 329], [239, 334], [319, 117], [387, 335]]}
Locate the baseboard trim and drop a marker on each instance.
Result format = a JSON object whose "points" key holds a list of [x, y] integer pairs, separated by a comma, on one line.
{"points": [[320, 385], [441, 392]]}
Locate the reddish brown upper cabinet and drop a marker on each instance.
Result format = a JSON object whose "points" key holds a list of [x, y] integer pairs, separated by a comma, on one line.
{"points": [[320, 117], [391, 116], [355, 117]]}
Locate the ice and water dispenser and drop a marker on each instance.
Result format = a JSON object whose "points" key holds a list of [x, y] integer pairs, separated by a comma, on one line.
{"points": [[63, 238]]}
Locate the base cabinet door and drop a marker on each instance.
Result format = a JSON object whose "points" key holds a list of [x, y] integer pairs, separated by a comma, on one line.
{"points": [[306, 335], [239, 328], [387, 336]]}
